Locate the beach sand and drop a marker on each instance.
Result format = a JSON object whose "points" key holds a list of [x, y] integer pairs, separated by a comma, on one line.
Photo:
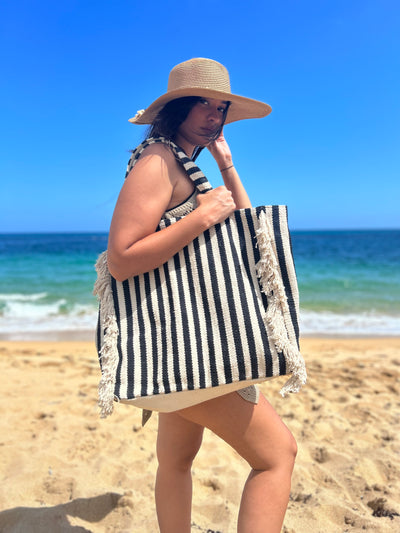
{"points": [[63, 469]]}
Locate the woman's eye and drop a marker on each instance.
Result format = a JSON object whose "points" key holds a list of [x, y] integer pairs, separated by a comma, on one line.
{"points": [[205, 102]]}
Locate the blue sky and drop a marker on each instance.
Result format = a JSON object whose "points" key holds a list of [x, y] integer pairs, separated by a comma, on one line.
{"points": [[74, 71]]}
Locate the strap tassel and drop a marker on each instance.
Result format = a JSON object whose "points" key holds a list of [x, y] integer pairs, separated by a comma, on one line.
{"points": [[108, 324], [278, 310]]}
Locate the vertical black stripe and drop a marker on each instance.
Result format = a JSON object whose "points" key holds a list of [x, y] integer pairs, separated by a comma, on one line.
{"points": [[292, 305], [174, 339], [163, 332], [188, 367], [130, 341], [153, 386], [142, 339], [218, 307], [228, 357], [240, 256], [285, 278], [207, 315], [117, 388], [256, 291], [99, 335], [196, 320]]}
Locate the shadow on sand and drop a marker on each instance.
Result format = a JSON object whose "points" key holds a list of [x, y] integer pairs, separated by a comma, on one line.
{"points": [[55, 519]]}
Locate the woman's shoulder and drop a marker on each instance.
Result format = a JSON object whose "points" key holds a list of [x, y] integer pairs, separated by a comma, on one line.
{"points": [[160, 149], [153, 157]]}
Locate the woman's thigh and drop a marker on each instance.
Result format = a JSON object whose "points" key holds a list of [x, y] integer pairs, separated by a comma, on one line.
{"points": [[178, 440], [256, 432]]}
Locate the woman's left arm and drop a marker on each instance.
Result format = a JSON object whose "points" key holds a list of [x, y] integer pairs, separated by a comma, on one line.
{"points": [[222, 154]]}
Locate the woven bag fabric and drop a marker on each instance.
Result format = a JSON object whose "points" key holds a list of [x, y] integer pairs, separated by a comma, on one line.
{"points": [[222, 310]]}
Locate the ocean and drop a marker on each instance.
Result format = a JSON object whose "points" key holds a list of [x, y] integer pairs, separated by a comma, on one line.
{"points": [[349, 284]]}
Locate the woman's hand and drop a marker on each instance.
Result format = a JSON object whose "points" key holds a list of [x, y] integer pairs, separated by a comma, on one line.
{"points": [[221, 152], [216, 205]]}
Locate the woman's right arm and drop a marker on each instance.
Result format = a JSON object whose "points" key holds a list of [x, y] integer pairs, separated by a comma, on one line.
{"points": [[134, 246]]}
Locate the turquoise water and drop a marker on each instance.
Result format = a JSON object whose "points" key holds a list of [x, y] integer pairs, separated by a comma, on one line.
{"points": [[349, 283]]}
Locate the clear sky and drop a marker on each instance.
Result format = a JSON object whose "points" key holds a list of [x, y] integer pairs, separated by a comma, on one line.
{"points": [[73, 71]]}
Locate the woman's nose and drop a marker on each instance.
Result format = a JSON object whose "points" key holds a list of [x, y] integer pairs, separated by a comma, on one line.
{"points": [[213, 114]]}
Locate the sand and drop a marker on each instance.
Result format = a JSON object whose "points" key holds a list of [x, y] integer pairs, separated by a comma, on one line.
{"points": [[65, 470]]}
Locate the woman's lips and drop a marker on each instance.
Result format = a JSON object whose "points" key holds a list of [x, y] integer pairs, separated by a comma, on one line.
{"points": [[208, 131]]}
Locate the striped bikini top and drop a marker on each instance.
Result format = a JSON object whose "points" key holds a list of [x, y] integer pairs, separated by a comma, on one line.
{"points": [[182, 209]]}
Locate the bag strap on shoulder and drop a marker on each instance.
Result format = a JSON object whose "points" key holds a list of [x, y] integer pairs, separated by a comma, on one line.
{"points": [[195, 174]]}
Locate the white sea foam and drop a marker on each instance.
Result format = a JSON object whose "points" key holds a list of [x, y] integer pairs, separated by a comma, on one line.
{"points": [[26, 317], [357, 324], [22, 297], [31, 311]]}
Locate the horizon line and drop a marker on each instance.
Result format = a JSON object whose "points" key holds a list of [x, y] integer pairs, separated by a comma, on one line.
{"points": [[105, 232]]}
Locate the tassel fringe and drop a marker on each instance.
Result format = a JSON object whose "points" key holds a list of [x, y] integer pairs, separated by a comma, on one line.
{"points": [[108, 351], [278, 309]]}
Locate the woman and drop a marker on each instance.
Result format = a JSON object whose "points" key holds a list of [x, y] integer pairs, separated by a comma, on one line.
{"points": [[192, 113]]}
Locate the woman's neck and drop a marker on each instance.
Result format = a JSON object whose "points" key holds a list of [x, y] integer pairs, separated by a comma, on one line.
{"points": [[186, 145]]}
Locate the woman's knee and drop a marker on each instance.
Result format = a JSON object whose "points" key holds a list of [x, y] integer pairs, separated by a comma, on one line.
{"points": [[291, 447], [279, 455], [178, 457]]}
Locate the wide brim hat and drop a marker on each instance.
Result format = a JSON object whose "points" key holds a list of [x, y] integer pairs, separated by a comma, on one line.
{"points": [[206, 78]]}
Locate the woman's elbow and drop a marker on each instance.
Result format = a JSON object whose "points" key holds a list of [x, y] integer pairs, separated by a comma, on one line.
{"points": [[117, 268]]}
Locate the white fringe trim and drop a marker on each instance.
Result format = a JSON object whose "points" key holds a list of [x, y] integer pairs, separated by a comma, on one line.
{"points": [[278, 309], [108, 351]]}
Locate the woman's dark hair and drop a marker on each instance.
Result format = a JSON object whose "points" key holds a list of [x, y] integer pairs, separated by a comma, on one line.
{"points": [[171, 116]]}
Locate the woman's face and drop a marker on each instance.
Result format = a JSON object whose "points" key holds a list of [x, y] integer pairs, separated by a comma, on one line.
{"points": [[203, 120]]}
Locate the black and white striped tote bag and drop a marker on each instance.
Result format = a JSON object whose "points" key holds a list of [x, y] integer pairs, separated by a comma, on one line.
{"points": [[223, 312]]}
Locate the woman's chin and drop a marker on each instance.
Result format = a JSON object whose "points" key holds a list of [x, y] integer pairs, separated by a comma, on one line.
{"points": [[205, 140]]}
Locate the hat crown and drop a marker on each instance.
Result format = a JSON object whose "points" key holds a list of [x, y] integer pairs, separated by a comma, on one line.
{"points": [[199, 73]]}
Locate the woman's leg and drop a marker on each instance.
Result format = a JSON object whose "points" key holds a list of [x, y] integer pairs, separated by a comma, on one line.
{"points": [[258, 434], [178, 442]]}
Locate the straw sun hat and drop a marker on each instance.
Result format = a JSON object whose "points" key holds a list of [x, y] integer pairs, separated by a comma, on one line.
{"points": [[208, 78]]}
